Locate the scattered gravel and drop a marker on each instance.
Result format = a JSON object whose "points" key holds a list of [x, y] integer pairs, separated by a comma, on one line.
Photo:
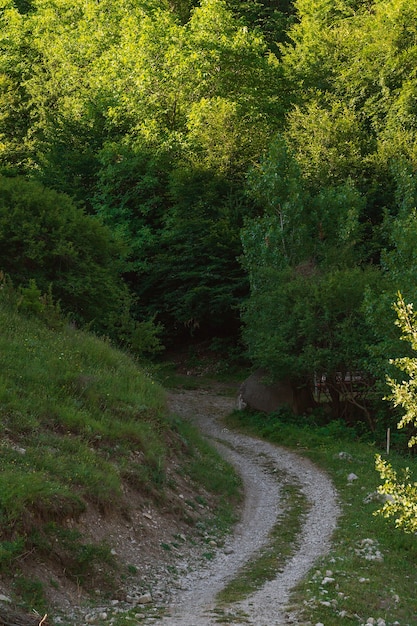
{"points": [[185, 591], [194, 603]]}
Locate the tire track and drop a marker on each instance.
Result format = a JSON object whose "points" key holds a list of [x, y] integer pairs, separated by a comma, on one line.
{"points": [[195, 605]]}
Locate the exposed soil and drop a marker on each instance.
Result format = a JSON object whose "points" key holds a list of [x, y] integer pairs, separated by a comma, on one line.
{"points": [[195, 604], [172, 573]]}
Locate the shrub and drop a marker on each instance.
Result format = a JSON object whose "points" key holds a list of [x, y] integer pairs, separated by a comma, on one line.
{"points": [[47, 242], [400, 490]]}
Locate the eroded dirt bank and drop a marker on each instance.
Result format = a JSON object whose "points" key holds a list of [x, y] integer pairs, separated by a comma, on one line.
{"points": [[184, 586]]}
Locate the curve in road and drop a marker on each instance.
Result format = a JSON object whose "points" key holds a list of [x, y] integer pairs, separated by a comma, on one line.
{"points": [[253, 459]]}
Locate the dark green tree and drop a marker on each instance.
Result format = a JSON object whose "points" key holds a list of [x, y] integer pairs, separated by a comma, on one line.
{"points": [[46, 238], [304, 318], [272, 17]]}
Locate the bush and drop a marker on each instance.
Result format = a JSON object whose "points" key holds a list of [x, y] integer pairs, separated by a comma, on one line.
{"points": [[48, 241]]}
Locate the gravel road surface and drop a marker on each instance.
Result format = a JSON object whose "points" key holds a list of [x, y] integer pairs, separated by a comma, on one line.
{"points": [[263, 468]]}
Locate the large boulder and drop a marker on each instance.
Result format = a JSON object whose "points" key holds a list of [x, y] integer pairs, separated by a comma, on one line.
{"points": [[257, 393]]}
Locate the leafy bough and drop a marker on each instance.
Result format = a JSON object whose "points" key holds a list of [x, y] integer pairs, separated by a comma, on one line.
{"points": [[398, 489]]}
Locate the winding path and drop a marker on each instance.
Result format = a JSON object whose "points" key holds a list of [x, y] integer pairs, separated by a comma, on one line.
{"points": [[253, 459]]}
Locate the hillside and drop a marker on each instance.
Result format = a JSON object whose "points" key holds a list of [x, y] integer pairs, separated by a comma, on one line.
{"points": [[234, 174], [96, 476]]}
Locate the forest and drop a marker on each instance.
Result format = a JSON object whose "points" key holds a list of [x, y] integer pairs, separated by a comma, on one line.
{"points": [[238, 172]]}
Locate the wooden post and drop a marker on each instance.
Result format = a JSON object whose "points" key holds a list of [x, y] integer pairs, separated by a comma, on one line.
{"points": [[388, 439]]}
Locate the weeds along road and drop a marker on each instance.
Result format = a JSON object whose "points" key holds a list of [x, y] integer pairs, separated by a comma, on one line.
{"points": [[264, 469]]}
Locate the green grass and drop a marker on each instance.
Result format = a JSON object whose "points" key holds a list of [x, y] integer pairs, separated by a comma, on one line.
{"points": [[74, 412], [271, 559], [78, 421], [69, 403], [208, 470], [363, 586]]}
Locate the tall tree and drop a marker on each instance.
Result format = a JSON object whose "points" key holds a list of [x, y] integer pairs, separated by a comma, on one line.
{"points": [[349, 210], [303, 253], [151, 118]]}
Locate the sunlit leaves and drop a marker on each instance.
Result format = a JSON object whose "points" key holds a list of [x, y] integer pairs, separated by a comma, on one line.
{"points": [[328, 142], [401, 496], [400, 490], [353, 67], [93, 71]]}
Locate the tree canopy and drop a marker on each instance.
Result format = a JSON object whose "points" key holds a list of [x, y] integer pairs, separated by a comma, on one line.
{"points": [[253, 165]]}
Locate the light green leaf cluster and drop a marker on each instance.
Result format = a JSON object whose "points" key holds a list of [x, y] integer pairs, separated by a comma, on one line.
{"points": [[405, 393], [401, 492], [356, 65], [84, 72]]}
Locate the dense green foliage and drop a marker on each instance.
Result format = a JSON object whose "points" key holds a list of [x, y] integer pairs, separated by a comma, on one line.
{"points": [[49, 245], [334, 237], [151, 121], [256, 156], [45, 236]]}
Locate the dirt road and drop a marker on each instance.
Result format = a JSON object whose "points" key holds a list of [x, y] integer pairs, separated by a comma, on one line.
{"points": [[263, 467]]}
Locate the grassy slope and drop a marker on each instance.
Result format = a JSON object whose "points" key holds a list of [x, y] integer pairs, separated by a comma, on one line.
{"points": [[79, 422], [375, 578], [80, 419]]}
